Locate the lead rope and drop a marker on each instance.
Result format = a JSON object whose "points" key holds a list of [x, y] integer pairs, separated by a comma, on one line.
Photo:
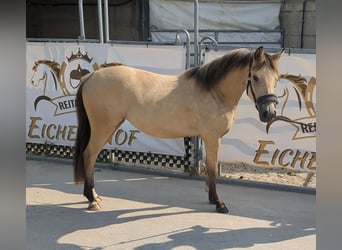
{"points": [[283, 118]]}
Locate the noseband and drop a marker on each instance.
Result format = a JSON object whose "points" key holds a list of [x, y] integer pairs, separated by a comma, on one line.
{"points": [[261, 100]]}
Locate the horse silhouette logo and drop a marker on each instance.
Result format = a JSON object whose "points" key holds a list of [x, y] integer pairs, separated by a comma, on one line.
{"points": [[59, 82], [304, 90]]}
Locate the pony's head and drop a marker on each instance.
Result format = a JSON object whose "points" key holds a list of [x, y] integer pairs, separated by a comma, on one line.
{"points": [[262, 79]]}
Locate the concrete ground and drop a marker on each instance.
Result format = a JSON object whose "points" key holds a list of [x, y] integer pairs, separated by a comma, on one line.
{"points": [[142, 211]]}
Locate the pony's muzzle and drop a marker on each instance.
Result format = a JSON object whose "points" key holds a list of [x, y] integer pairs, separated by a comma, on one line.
{"points": [[266, 106], [267, 112]]}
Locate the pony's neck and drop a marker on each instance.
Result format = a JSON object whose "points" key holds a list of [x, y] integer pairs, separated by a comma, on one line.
{"points": [[233, 86]]}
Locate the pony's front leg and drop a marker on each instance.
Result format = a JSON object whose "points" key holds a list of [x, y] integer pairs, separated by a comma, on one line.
{"points": [[212, 148], [89, 190]]}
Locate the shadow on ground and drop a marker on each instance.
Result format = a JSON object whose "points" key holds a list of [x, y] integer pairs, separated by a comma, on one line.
{"points": [[47, 223]]}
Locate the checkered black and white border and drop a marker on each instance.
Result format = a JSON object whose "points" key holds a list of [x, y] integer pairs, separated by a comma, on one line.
{"points": [[123, 157]]}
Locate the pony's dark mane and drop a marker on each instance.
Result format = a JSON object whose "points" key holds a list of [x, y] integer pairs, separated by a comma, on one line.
{"points": [[210, 74], [111, 64]]}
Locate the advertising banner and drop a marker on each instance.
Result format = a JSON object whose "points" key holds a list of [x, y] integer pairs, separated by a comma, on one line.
{"points": [[286, 144], [53, 76]]}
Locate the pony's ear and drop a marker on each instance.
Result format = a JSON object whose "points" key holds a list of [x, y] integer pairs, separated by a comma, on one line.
{"points": [[259, 55], [277, 55]]}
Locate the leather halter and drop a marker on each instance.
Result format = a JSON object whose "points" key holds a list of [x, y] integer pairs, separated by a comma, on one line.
{"points": [[261, 100]]}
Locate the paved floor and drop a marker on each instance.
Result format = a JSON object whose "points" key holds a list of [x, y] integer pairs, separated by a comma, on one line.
{"points": [[141, 211]]}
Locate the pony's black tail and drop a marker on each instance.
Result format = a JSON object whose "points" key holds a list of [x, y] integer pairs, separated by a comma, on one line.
{"points": [[82, 137]]}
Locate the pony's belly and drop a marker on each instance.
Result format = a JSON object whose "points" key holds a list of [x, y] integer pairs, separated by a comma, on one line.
{"points": [[165, 128]]}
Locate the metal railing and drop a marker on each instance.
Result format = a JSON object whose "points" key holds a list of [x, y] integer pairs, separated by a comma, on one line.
{"points": [[100, 22], [104, 36]]}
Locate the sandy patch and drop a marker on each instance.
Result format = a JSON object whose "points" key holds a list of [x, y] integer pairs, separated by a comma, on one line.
{"points": [[277, 175]]}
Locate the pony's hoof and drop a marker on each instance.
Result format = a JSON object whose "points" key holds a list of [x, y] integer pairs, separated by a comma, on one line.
{"points": [[221, 208], [98, 199], [94, 206]]}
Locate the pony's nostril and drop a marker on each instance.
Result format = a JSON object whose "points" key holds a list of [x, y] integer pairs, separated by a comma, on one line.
{"points": [[267, 115]]}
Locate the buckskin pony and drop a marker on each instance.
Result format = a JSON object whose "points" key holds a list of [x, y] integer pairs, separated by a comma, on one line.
{"points": [[202, 101]]}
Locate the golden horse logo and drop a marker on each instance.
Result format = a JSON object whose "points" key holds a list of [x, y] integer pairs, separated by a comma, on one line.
{"points": [[306, 126], [59, 82]]}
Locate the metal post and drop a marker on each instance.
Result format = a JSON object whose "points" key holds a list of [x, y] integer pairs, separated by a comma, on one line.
{"points": [[80, 11], [195, 33], [303, 23], [106, 21], [99, 13], [196, 138], [187, 64]]}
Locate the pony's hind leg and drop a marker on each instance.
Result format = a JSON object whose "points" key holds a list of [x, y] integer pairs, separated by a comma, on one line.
{"points": [[97, 140], [89, 158]]}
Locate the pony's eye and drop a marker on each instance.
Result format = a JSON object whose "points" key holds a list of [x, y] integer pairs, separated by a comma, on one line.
{"points": [[255, 78]]}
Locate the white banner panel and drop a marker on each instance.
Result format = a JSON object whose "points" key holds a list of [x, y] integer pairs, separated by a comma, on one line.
{"points": [[52, 80], [217, 15], [233, 15], [286, 144], [158, 59]]}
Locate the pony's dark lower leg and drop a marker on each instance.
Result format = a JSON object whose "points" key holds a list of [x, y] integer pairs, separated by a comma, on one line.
{"points": [[213, 197], [89, 192], [211, 165]]}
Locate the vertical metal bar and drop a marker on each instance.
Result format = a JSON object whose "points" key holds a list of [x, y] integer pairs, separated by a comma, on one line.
{"points": [[303, 23], [187, 49], [106, 21], [187, 34], [99, 13], [195, 33], [81, 17], [196, 138]]}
